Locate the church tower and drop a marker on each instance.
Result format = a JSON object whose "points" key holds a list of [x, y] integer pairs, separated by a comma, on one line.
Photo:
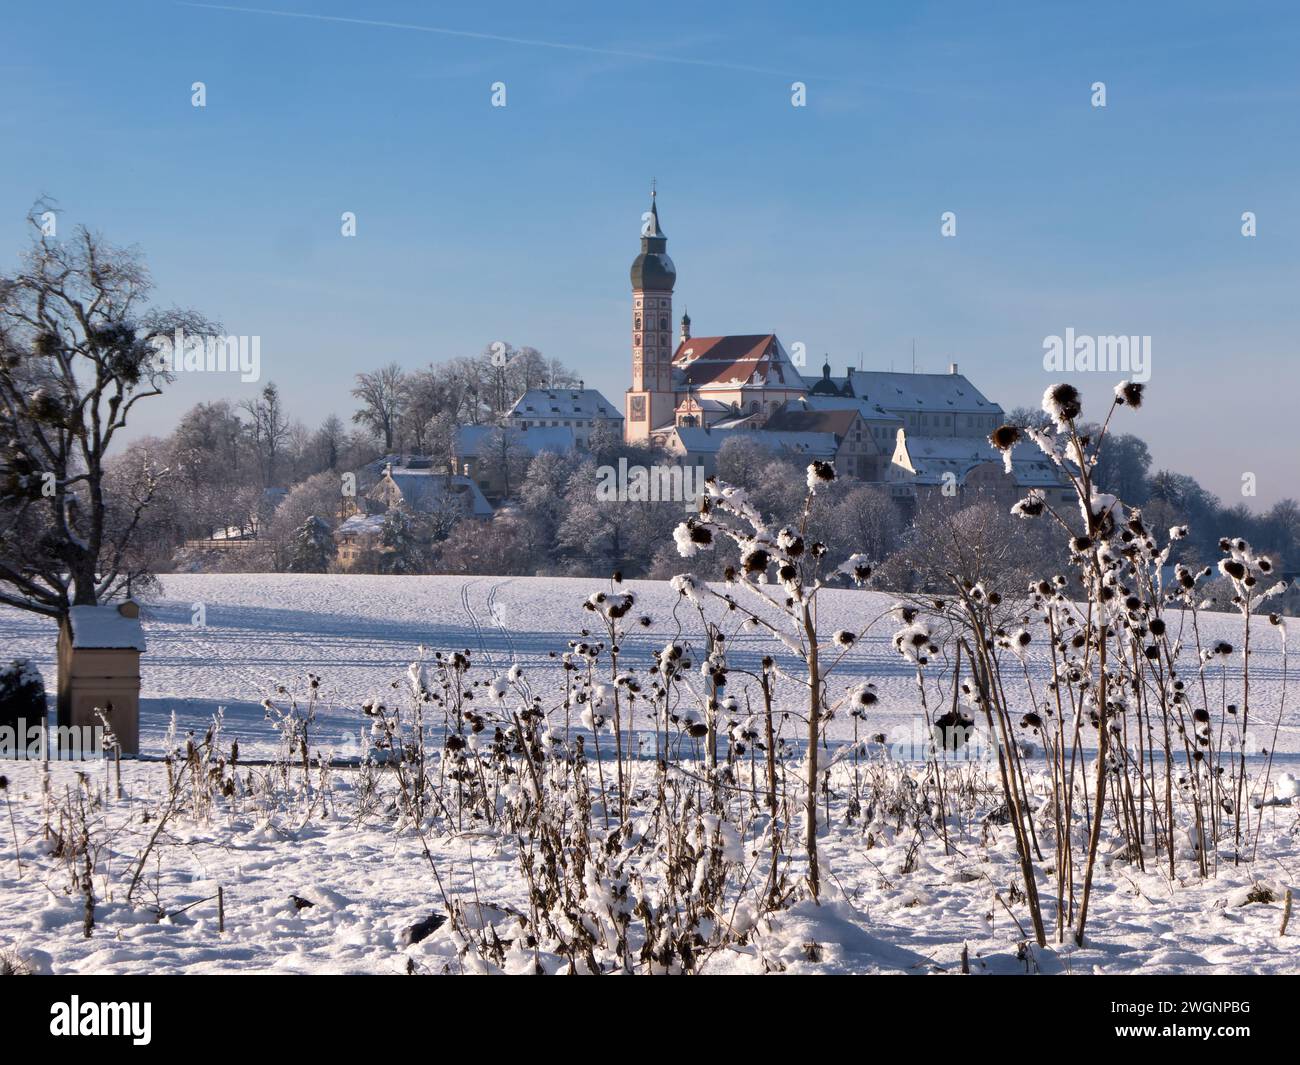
{"points": [[649, 402]]}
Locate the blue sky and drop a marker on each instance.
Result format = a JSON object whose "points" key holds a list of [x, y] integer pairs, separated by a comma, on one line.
{"points": [[819, 223]]}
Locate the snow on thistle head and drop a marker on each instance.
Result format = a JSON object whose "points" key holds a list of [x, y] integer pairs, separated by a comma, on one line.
{"points": [[610, 605], [687, 585], [1005, 438], [1102, 512], [1280, 623], [789, 541], [692, 536], [1032, 506], [1129, 394], [913, 642], [1063, 403], [857, 566], [860, 697], [819, 473], [755, 557]]}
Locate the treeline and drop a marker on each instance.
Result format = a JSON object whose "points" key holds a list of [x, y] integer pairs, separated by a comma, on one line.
{"points": [[249, 469]]}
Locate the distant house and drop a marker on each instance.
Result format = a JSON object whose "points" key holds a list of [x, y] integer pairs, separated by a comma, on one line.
{"points": [[928, 404], [416, 488], [967, 467], [357, 535], [860, 454], [693, 446], [420, 489], [481, 448], [881, 424], [580, 409]]}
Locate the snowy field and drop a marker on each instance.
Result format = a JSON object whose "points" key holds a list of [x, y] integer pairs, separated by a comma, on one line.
{"points": [[360, 633], [890, 907]]}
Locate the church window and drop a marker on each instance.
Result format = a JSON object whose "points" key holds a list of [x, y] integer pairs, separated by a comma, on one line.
{"points": [[638, 322]]}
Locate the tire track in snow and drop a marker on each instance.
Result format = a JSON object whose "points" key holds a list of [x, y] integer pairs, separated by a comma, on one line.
{"points": [[496, 619], [473, 620]]}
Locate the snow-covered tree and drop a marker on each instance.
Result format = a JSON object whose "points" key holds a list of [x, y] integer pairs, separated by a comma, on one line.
{"points": [[312, 548], [404, 542]]}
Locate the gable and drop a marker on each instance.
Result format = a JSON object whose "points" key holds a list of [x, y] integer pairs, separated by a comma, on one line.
{"points": [[733, 361]]}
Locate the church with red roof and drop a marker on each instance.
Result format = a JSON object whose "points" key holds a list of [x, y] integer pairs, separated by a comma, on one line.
{"points": [[701, 382]]}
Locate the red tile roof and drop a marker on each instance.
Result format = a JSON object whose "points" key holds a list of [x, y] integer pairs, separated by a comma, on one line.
{"points": [[704, 361]]}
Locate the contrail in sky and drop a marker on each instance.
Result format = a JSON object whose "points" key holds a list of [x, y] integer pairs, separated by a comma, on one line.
{"points": [[526, 41]]}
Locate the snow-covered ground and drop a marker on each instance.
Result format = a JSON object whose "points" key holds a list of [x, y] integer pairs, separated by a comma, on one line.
{"points": [[888, 907], [360, 633]]}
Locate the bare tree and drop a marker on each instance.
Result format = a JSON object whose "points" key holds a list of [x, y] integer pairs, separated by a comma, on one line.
{"points": [[330, 442], [269, 428], [75, 359], [427, 396], [382, 395], [505, 459]]}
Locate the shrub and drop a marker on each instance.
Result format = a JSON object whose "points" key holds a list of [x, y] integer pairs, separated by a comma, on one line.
{"points": [[22, 693]]}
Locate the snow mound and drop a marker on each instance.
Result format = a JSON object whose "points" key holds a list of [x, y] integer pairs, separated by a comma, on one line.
{"points": [[829, 938]]}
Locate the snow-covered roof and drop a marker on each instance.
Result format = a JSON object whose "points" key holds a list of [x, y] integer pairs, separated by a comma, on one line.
{"points": [[428, 491], [925, 393], [933, 456], [871, 412], [471, 439], [738, 421], [564, 403], [696, 441], [105, 627], [360, 525]]}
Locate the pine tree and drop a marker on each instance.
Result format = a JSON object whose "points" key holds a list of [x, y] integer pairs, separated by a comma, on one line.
{"points": [[312, 549], [404, 542]]}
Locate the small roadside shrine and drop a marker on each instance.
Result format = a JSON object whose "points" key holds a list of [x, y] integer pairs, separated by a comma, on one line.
{"points": [[99, 668]]}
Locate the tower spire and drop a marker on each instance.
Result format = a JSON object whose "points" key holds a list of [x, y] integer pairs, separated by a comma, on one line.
{"points": [[651, 227], [650, 400]]}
